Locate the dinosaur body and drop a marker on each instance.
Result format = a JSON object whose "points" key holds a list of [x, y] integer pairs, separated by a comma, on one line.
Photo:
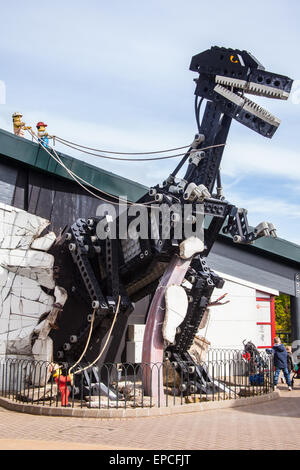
{"points": [[103, 269]]}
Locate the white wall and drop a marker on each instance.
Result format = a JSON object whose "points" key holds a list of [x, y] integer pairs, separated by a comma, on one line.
{"points": [[230, 324]]}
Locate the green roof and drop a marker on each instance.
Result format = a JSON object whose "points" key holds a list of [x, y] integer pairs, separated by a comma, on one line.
{"points": [[278, 247], [30, 153]]}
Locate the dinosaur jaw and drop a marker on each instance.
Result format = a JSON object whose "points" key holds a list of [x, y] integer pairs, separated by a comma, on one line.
{"points": [[260, 84], [248, 106], [254, 88]]}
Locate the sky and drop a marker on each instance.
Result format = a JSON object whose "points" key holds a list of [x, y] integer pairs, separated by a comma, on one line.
{"points": [[115, 76]]}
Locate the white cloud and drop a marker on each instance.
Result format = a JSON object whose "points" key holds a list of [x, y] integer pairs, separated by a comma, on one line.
{"points": [[282, 213], [265, 158]]}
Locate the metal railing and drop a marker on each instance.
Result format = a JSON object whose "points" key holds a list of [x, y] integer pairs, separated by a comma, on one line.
{"points": [[225, 375], [285, 336]]}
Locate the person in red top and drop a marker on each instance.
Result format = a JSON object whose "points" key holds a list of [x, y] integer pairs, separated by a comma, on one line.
{"points": [[64, 382]]}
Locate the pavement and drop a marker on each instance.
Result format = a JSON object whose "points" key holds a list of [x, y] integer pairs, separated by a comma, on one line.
{"points": [[264, 426]]}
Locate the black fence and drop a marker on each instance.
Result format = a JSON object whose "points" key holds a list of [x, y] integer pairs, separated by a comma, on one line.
{"points": [[225, 375], [285, 336]]}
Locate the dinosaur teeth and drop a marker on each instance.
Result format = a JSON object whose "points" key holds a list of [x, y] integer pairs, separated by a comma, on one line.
{"points": [[229, 95], [260, 112], [252, 87], [232, 82], [247, 105], [265, 90]]}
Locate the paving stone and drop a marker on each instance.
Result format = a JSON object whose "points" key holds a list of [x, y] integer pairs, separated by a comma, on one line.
{"points": [[250, 427]]}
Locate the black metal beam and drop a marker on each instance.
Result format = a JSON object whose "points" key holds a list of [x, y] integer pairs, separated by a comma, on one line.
{"points": [[295, 311]]}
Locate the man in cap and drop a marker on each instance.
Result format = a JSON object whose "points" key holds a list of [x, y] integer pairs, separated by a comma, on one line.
{"points": [[42, 134]]}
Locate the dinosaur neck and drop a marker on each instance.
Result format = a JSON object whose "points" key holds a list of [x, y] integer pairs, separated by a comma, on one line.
{"points": [[215, 126]]}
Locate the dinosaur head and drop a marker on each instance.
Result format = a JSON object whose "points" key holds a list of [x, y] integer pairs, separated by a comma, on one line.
{"points": [[226, 75]]}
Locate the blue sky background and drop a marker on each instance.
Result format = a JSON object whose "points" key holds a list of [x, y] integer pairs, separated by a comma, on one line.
{"points": [[115, 75]]}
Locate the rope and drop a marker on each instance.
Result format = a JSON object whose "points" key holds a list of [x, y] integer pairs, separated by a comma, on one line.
{"points": [[87, 342], [76, 177], [105, 344], [138, 159], [120, 153], [146, 204], [119, 158]]}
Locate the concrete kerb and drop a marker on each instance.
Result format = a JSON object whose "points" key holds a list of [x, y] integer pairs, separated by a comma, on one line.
{"points": [[134, 413]]}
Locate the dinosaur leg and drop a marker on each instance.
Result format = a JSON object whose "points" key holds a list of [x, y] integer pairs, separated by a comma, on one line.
{"points": [[153, 346]]}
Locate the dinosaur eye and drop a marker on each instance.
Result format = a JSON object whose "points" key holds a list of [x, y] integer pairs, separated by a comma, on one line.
{"points": [[260, 79], [268, 81], [277, 83]]}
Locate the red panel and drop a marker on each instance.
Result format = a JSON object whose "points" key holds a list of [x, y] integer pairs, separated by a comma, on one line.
{"points": [[271, 300], [273, 330]]}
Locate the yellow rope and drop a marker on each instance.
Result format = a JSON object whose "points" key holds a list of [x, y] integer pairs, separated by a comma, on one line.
{"points": [[87, 342], [106, 342]]}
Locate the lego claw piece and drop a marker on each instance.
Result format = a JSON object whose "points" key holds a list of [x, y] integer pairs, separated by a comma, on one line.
{"points": [[272, 230], [265, 229], [196, 193]]}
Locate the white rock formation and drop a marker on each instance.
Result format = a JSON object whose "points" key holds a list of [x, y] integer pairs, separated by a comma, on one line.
{"points": [[176, 308], [190, 247], [25, 269]]}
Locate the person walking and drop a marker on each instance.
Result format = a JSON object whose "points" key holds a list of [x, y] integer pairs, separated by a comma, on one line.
{"points": [[290, 362], [280, 362]]}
